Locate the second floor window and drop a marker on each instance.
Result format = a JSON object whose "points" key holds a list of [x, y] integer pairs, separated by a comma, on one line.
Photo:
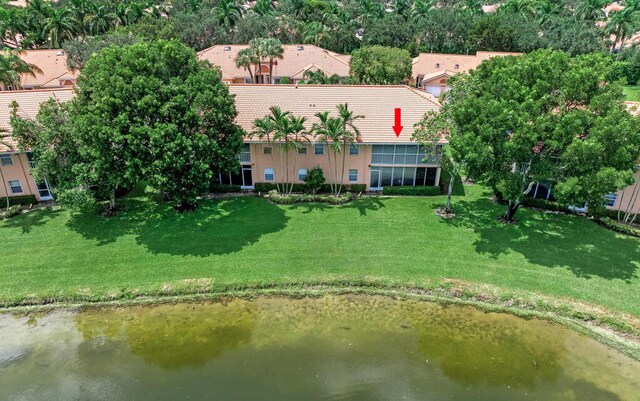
{"points": [[318, 149], [354, 149], [302, 150], [5, 159], [267, 150]]}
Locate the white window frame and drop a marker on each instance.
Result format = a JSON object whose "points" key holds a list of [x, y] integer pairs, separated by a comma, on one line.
{"points": [[351, 171], [12, 186], [302, 174], [320, 147], [265, 152], [271, 172], [2, 163]]}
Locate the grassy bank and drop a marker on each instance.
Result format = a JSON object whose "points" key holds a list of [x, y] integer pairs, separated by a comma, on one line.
{"points": [[631, 93], [247, 242]]}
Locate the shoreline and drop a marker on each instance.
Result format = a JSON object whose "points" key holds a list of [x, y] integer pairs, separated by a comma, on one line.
{"points": [[616, 330]]}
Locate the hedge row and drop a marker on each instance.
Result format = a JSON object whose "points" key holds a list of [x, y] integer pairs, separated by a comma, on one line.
{"points": [[545, 205], [224, 189], [22, 200], [275, 197], [300, 188], [619, 227], [414, 191]]}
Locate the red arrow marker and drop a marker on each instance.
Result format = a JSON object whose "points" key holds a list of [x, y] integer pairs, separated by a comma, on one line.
{"points": [[397, 128]]}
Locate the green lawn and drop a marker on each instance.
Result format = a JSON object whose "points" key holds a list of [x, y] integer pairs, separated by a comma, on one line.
{"points": [[247, 240], [631, 93]]}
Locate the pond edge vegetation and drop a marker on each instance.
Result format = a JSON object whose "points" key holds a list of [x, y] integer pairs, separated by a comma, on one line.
{"points": [[616, 330]]}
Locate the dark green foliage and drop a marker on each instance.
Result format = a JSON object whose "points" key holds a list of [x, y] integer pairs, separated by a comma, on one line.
{"points": [[619, 227], [314, 179], [264, 187], [545, 205], [412, 191], [224, 189], [78, 200], [22, 200], [380, 65]]}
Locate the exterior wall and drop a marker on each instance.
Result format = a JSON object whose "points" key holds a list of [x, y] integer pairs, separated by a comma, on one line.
{"points": [[625, 198], [19, 171], [360, 162]]}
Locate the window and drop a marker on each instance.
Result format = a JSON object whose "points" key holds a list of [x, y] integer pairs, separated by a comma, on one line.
{"points": [[610, 199], [302, 150], [269, 174], [267, 150], [16, 188], [353, 175], [302, 174], [5, 159], [318, 149], [354, 149]]}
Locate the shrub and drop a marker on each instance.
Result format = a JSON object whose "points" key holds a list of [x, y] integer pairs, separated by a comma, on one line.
{"points": [[224, 189], [545, 205], [300, 188], [10, 212], [275, 197], [285, 80], [314, 180], [414, 191], [355, 188], [79, 200], [23, 200], [619, 227]]}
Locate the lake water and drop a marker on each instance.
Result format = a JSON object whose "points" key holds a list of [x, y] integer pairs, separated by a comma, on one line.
{"points": [[332, 348]]}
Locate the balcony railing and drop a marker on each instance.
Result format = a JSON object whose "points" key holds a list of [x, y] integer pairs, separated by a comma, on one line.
{"points": [[244, 157], [387, 158]]}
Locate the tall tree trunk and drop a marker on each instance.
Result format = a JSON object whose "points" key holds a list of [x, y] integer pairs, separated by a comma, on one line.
{"points": [[6, 190], [512, 208], [344, 161], [112, 198], [335, 170], [447, 207], [330, 170], [271, 71]]}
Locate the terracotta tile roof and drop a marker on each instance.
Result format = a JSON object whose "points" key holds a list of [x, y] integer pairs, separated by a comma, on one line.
{"points": [[52, 62], [28, 104], [429, 63], [293, 62], [376, 103]]}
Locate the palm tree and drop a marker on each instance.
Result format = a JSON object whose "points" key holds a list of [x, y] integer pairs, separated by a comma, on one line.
{"points": [[12, 66], [247, 59], [350, 134], [100, 19], [590, 10], [11, 25], [546, 8], [258, 48], [472, 7], [623, 23], [228, 12], [263, 129], [314, 33], [525, 8], [264, 7], [421, 9], [272, 50], [370, 10], [329, 132], [299, 136], [4, 141], [59, 26]]}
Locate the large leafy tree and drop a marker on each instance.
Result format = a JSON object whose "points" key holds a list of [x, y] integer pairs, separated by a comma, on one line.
{"points": [[380, 65], [152, 111], [544, 116]]}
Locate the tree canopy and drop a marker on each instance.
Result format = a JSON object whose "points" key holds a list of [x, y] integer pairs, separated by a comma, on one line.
{"points": [[544, 116], [381, 65]]}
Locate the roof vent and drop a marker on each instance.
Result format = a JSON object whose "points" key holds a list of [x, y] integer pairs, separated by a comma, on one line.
{"points": [[437, 65], [457, 66], [60, 53], [227, 48], [300, 48]]}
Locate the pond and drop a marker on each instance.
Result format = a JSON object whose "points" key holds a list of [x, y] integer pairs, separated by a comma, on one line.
{"points": [[331, 348]]}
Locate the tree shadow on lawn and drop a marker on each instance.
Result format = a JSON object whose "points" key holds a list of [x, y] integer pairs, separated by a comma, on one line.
{"points": [[551, 240], [364, 204], [33, 218], [215, 228]]}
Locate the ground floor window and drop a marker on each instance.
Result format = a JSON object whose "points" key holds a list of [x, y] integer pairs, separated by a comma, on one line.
{"points": [[302, 174], [269, 174], [353, 175], [610, 199], [399, 176], [16, 187], [243, 177]]}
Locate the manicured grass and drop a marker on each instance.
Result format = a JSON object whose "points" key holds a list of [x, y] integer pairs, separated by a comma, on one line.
{"points": [[631, 93], [247, 240]]}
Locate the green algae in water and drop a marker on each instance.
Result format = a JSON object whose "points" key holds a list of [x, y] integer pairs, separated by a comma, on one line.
{"points": [[332, 348]]}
